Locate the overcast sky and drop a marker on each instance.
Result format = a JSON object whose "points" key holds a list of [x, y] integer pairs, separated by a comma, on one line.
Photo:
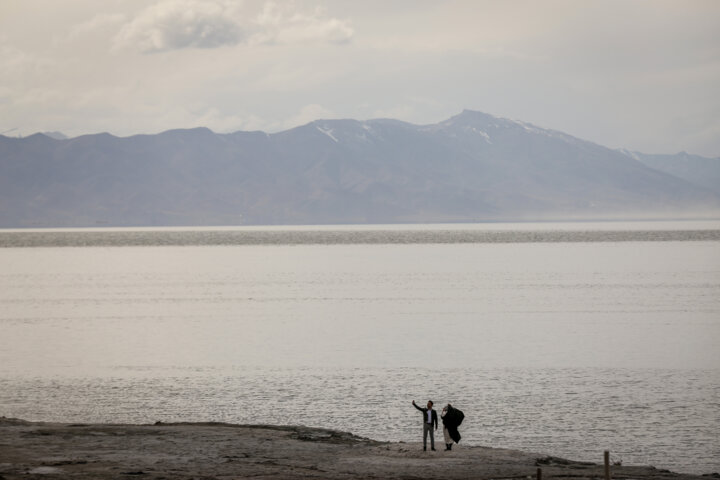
{"points": [[642, 75]]}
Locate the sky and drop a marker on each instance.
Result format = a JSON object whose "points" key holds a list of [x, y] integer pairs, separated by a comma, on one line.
{"points": [[640, 75]]}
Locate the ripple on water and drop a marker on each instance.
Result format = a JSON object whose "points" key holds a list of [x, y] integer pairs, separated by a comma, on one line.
{"points": [[563, 412]]}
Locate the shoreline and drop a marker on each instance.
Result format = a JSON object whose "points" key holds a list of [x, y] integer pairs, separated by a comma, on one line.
{"points": [[34, 450]]}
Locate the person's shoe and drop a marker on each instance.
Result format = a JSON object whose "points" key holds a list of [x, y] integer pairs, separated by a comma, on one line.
{"points": [[424, 449], [433, 449], [449, 446]]}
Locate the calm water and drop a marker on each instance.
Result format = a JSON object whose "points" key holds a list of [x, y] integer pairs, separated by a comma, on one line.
{"points": [[564, 339]]}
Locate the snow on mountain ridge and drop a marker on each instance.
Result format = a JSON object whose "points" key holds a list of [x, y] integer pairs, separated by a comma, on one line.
{"points": [[328, 132]]}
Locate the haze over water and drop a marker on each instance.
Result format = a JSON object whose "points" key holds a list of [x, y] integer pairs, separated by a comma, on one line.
{"points": [[565, 339]]}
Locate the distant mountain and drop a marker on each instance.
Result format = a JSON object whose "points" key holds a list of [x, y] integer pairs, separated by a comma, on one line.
{"points": [[701, 171], [471, 167], [55, 135]]}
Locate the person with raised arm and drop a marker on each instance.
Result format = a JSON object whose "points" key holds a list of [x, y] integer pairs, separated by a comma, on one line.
{"points": [[429, 419], [451, 418]]}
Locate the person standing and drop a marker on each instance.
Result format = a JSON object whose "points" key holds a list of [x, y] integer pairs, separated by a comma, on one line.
{"points": [[446, 434], [429, 419], [451, 418]]}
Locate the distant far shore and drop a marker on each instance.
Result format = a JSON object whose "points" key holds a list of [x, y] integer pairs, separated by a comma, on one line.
{"points": [[348, 236], [33, 450]]}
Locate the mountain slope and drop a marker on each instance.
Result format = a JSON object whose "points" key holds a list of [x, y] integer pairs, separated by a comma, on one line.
{"points": [[471, 167], [701, 171]]}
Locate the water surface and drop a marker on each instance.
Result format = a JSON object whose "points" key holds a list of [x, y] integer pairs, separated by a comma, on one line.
{"points": [[566, 339]]}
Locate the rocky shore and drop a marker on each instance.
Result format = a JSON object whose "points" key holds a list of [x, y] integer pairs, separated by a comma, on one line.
{"points": [[179, 451]]}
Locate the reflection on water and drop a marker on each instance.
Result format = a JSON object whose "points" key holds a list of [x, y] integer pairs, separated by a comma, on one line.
{"points": [[564, 341]]}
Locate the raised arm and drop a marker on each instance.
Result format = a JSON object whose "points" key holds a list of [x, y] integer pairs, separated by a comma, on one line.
{"points": [[415, 405]]}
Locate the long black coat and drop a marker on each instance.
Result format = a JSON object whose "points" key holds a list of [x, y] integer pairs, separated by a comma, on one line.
{"points": [[452, 420]]}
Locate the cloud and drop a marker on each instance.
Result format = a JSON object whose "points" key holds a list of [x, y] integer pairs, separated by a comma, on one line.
{"points": [[97, 23], [19, 65], [178, 24], [283, 25]]}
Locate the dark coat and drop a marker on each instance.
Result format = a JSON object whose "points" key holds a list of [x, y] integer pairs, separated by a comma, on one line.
{"points": [[452, 420], [434, 415]]}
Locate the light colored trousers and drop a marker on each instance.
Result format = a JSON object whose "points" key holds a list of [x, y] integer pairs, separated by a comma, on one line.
{"points": [[428, 427]]}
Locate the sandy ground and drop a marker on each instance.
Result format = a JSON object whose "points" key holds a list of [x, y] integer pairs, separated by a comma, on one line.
{"points": [[222, 451]]}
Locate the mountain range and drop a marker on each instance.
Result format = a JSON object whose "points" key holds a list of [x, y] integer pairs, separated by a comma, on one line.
{"points": [[472, 167]]}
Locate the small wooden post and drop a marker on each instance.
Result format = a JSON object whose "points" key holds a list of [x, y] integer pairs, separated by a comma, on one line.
{"points": [[607, 465], [539, 474]]}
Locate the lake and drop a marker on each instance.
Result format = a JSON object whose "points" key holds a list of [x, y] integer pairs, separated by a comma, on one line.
{"points": [[566, 339]]}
